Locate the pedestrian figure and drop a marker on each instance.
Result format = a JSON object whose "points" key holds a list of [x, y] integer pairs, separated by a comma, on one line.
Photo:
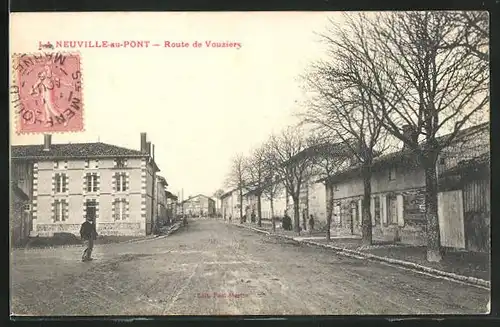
{"points": [[287, 222], [88, 233], [311, 224]]}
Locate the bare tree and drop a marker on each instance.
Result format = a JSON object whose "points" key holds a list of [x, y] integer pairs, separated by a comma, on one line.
{"points": [[272, 185], [472, 32], [235, 179], [344, 111], [423, 85], [328, 157], [293, 170], [254, 168]]}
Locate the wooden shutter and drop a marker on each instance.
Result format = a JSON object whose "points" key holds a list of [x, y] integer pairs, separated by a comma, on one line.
{"points": [[64, 182], [85, 182], [97, 182]]}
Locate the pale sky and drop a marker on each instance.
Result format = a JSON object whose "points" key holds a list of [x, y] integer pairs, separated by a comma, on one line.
{"points": [[198, 106]]}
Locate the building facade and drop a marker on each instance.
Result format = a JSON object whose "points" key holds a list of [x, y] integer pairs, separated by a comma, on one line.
{"points": [[398, 194], [250, 204], [199, 205], [230, 204], [161, 198], [111, 184]]}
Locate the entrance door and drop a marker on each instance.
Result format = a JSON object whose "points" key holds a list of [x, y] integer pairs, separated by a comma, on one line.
{"points": [[393, 210], [90, 209], [354, 215]]}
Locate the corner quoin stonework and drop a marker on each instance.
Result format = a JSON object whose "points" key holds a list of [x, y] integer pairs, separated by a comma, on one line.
{"points": [[46, 92]]}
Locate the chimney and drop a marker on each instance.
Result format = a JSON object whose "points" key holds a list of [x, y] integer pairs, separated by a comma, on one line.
{"points": [[410, 134], [153, 153], [143, 142], [47, 142], [148, 148]]}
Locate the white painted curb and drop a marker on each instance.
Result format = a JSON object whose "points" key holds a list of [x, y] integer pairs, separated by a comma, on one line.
{"points": [[407, 264]]}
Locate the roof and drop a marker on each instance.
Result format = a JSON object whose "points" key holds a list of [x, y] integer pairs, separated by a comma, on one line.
{"points": [[481, 161], [73, 150], [197, 196], [17, 191], [228, 193], [340, 149], [162, 180], [406, 157], [171, 196]]}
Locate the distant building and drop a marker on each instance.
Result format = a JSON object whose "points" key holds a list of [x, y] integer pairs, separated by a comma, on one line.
{"points": [[112, 184], [250, 204], [230, 204], [199, 205], [161, 199]]}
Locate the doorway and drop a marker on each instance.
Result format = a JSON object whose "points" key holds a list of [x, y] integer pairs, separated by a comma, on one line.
{"points": [[91, 209], [393, 210]]}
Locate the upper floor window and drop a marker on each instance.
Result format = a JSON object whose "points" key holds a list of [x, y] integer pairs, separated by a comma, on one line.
{"points": [[92, 182], [120, 163], [56, 164], [121, 182], [392, 174], [92, 164], [60, 183]]}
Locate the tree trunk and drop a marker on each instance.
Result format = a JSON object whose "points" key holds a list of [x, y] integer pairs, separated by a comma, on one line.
{"points": [[366, 220], [259, 209], [431, 210], [272, 213], [329, 213], [296, 214], [241, 206]]}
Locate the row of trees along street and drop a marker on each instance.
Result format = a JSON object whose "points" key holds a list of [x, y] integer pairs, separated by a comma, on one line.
{"points": [[401, 76]]}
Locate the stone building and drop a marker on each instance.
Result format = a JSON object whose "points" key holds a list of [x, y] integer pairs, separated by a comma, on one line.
{"points": [[199, 205], [112, 184], [398, 194]]}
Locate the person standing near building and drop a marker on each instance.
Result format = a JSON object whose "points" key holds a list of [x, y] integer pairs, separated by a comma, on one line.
{"points": [[88, 233], [311, 224]]}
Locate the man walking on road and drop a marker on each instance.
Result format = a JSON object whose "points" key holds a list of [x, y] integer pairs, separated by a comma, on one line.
{"points": [[88, 233]]}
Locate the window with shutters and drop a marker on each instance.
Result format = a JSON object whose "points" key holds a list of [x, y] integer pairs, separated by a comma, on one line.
{"points": [[61, 182], [121, 182], [92, 182], [392, 174], [60, 210]]}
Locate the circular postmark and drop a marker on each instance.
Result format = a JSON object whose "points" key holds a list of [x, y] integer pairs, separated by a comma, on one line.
{"points": [[47, 92]]}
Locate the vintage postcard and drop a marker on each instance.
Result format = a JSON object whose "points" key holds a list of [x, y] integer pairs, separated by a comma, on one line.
{"points": [[249, 163]]}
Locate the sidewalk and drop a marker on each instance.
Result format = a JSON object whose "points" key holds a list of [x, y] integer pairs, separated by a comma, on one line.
{"points": [[473, 268], [70, 240]]}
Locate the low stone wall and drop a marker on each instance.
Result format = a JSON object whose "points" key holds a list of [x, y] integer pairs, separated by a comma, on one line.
{"points": [[409, 234], [104, 228]]}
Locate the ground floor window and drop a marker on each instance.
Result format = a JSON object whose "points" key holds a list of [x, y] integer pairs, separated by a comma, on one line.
{"points": [[120, 209], [60, 212]]}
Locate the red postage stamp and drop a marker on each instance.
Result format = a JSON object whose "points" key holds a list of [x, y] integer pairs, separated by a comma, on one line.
{"points": [[47, 93]]}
